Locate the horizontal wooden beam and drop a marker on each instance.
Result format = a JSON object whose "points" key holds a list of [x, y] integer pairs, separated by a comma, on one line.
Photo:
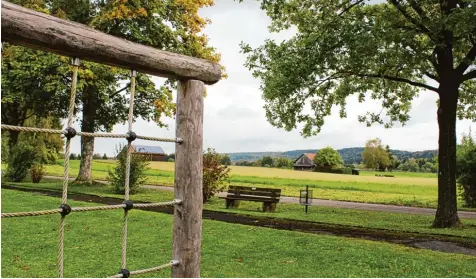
{"points": [[37, 30]]}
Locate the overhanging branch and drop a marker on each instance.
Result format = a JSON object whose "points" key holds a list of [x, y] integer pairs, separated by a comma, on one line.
{"points": [[468, 59], [399, 79], [414, 21]]}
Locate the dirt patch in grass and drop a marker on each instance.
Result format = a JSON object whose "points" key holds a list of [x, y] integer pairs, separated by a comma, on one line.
{"points": [[442, 243]]}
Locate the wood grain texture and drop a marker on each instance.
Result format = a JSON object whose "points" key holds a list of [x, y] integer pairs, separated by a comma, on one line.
{"points": [[188, 180], [36, 30]]}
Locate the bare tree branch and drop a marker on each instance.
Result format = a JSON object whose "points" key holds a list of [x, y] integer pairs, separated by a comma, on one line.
{"points": [[120, 90], [470, 75]]}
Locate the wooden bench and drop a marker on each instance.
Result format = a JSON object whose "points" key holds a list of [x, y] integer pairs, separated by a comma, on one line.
{"points": [[269, 197]]}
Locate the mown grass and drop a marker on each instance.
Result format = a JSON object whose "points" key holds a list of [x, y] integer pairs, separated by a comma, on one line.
{"points": [[421, 192], [92, 248], [348, 217]]}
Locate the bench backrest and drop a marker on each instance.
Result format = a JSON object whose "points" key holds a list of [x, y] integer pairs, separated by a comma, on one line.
{"points": [[253, 192]]}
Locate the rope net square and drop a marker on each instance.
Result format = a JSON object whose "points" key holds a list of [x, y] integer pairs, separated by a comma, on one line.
{"points": [[64, 209]]}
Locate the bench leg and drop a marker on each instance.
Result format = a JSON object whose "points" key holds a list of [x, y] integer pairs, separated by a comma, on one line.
{"points": [[269, 207], [232, 204], [272, 207]]}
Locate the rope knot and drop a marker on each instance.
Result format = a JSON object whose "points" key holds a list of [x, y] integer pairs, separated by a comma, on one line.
{"points": [[125, 273], [129, 205], [65, 209], [70, 132], [131, 136]]}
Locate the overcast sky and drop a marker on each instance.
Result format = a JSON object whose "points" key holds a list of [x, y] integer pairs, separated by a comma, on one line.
{"points": [[235, 120]]}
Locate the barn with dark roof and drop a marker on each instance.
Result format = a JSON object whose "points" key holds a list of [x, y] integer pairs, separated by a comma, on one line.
{"points": [[153, 153], [305, 162]]}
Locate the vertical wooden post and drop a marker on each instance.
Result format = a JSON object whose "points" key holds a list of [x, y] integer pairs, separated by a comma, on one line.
{"points": [[188, 179]]}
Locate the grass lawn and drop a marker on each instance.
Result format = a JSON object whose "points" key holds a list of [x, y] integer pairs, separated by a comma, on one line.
{"points": [[401, 190], [338, 216], [92, 248]]}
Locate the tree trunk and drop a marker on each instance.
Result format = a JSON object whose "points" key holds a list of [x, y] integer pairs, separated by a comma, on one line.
{"points": [[13, 138], [446, 213], [87, 143]]}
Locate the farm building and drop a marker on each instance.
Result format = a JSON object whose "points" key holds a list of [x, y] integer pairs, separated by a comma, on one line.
{"points": [[154, 153], [305, 162]]}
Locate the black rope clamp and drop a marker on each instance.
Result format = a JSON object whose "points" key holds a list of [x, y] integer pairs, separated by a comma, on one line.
{"points": [[129, 205], [131, 136], [70, 132], [66, 209], [125, 273]]}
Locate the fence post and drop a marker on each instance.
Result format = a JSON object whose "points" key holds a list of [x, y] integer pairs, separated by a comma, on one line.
{"points": [[188, 179]]}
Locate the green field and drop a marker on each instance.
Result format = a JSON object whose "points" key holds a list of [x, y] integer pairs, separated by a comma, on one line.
{"points": [[92, 248], [337, 216], [404, 189]]}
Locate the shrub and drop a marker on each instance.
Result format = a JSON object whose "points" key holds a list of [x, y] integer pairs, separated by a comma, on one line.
{"points": [[466, 170], [139, 165], [97, 156], [215, 175], [22, 156], [333, 170], [36, 173], [328, 157]]}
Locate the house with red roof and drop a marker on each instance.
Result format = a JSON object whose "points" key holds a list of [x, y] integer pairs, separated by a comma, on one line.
{"points": [[305, 162]]}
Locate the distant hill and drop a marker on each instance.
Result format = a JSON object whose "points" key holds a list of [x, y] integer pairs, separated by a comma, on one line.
{"points": [[351, 155]]}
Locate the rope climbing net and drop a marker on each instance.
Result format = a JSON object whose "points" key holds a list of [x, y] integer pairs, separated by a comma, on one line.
{"points": [[64, 209]]}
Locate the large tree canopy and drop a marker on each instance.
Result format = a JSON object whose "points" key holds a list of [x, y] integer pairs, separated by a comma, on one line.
{"points": [[387, 51], [102, 94]]}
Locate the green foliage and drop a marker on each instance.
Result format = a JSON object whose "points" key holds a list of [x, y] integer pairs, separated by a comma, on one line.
{"points": [[138, 166], [466, 169], [215, 175], [5, 148], [36, 172], [225, 160], [97, 156], [282, 162], [329, 169], [245, 163], [411, 165], [386, 51], [104, 157], [328, 157], [32, 87], [22, 157], [375, 156], [267, 161], [47, 146], [170, 158]]}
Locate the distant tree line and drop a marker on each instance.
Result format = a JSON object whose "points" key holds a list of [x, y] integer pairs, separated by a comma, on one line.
{"points": [[268, 162], [376, 156]]}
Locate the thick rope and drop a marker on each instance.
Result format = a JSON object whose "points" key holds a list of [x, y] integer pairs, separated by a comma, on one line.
{"points": [[86, 134], [31, 213], [32, 129], [128, 170], [142, 271], [88, 208], [177, 140], [64, 197]]}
